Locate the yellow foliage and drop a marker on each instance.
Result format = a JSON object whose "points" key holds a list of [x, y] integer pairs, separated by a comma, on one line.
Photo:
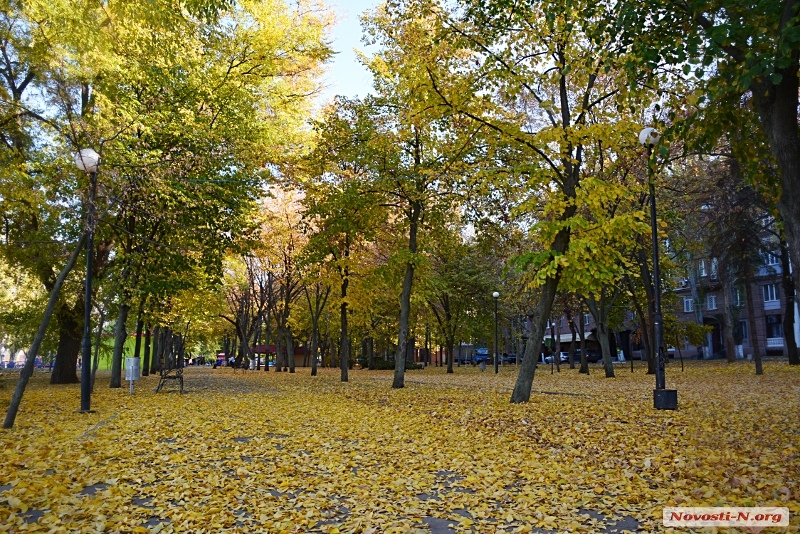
{"points": [[268, 452]]}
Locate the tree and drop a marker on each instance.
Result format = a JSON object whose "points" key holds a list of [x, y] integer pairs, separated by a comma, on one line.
{"points": [[458, 288], [543, 81], [341, 210], [27, 371], [197, 144], [735, 52], [248, 295], [283, 244], [424, 152]]}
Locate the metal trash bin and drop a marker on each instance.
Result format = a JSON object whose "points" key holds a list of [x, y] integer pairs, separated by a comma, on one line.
{"points": [[132, 371]]}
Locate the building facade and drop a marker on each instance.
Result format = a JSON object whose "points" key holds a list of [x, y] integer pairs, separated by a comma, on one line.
{"points": [[701, 299]]}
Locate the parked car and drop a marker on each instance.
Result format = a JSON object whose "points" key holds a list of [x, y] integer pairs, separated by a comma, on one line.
{"points": [[592, 356], [509, 358], [482, 355], [563, 357]]}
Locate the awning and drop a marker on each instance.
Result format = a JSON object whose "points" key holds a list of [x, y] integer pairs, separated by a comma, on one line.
{"points": [[567, 338]]}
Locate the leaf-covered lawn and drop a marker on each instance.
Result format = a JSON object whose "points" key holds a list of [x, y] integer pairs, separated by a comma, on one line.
{"points": [[269, 452]]}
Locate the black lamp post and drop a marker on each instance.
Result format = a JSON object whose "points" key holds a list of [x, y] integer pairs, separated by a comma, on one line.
{"points": [[496, 369], [663, 399], [88, 161]]}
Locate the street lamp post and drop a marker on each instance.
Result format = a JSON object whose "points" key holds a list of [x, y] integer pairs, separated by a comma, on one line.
{"points": [[496, 369], [663, 399], [88, 161]]}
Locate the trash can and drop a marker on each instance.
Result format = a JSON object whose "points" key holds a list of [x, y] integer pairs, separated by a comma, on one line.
{"points": [[132, 370]]}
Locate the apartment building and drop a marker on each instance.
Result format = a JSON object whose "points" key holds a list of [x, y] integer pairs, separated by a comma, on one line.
{"points": [[701, 299]]}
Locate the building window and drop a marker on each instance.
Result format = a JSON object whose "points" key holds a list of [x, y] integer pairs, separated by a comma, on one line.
{"points": [[586, 318], [770, 292], [688, 304], [741, 332], [701, 268], [738, 301], [714, 268], [771, 259], [774, 326], [711, 302]]}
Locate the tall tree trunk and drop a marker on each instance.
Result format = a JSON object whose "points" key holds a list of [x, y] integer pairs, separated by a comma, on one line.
{"points": [[363, 350], [155, 364], [427, 359], [776, 105], [146, 359], [33, 351], [600, 310], [605, 347], [572, 329], [279, 357], [405, 301], [524, 383], [69, 320], [729, 318], [267, 336], [411, 349], [449, 348], [137, 347], [329, 340], [290, 348], [344, 340], [120, 335], [97, 339], [168, 346], [648, 328], [314, 348], [789, 317], [584, 360], [751, 312]]}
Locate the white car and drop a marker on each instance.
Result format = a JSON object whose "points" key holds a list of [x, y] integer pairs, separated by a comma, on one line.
{"points": [[563, 357]]}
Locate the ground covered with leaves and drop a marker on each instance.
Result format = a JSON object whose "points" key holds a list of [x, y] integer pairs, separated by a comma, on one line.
{"points": [[281, 452]]}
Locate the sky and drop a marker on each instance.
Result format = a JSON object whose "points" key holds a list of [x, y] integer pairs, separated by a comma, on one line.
{"points": [[346, 76]]}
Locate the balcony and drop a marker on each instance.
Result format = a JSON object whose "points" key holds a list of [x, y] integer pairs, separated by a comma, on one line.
{"points": [[774, 342], [769, 270], [772, 305]]}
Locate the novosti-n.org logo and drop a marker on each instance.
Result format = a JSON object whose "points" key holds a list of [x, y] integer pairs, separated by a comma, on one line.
{"points": [[726, 517]]}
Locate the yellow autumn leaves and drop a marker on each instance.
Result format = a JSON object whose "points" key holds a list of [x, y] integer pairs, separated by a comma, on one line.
{"points": [[267, 452]]}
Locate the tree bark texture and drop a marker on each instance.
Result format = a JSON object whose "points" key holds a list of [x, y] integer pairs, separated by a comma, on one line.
{"points": [[70, 320], [120, 335], [33, 351], [405, 301], [524, 383], [344, 340], [146, 358], [787, 283], [751, 312]]}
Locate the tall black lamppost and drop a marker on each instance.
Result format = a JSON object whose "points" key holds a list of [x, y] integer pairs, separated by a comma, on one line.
{"points": [[88, 161], [663, 399], [495, 295]]}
